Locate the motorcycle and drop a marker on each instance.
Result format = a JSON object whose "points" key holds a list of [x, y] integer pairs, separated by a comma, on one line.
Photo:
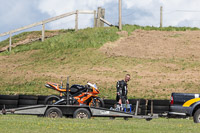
{"points": [[75, 95]]}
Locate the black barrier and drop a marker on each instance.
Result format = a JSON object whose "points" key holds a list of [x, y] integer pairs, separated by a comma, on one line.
{"points": [[14, 101], [27, 100]]}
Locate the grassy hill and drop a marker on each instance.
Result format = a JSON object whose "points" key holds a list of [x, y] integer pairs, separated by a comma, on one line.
{"points": [[79, 54]]}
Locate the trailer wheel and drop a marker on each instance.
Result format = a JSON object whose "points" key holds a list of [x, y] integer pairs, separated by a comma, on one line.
{"points": [[126, 118], [196, 116], [82, 113], [112, 118], [148, 119], [54, 113]]}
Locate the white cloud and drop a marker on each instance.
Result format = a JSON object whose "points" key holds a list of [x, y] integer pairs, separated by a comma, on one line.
{"points": [[141, 12], [176, 16], [15, 14], [63, 6], [148, 12]]}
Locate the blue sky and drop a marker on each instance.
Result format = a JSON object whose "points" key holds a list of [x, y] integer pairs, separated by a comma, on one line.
{"points": [[18, 13]]}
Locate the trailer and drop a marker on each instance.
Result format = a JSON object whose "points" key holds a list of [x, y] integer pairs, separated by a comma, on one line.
{"points": [[75, 111], [78, 111]]}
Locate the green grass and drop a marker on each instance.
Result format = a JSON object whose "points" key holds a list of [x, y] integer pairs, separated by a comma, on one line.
{"points": [[22, 36], [131, 28], [90, 37], [86, 38], [33, 124]]}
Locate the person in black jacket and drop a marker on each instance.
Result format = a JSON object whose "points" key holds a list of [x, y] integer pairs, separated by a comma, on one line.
{"points": [[122, 90]]}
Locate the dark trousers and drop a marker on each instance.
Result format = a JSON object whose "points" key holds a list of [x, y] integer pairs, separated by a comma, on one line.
{"points": [[124, 99]]}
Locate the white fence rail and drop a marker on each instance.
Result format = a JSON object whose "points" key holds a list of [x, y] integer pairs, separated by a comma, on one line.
{"points": [[47, 21], [98, 22]]}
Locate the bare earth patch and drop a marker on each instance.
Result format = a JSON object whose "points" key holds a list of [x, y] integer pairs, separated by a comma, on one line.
{"points": [[160, 79], [31, 38], [156, 45]]}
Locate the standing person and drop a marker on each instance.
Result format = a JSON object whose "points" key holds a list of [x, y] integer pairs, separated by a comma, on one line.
{"points": [[122, 90]]}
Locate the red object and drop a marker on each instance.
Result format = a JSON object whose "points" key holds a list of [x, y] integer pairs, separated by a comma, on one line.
{"points": [[172, 100]]}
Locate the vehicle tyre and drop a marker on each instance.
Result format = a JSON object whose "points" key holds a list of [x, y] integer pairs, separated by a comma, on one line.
{"points": [[134, 101], [27, 102], [41, 97], [196, 116], [112, 118], [159, 102], [148, 119], [51, 100], [8, 106], [28, 97], [54, 112], [109, 101], [126, 118], [82, 113], [40, 102], [159, 109], [108, 106], [8, 102], [9, 97], [97, 103]]}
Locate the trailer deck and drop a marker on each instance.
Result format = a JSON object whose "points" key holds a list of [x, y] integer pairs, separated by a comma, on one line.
{"points": [[76, 111]]}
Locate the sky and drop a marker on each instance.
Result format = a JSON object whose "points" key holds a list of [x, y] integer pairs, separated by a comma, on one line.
{"points": [[18, 13]]}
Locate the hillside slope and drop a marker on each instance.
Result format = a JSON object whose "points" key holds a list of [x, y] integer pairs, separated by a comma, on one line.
{"points": [[160, 62], [165, 61]]}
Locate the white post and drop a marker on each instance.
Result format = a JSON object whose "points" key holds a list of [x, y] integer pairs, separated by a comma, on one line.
{"points": [[161, 17], [120, 14], [98, 16], [95, 18], [10, 42], [102, 16], [43, 32], [76, 21]]}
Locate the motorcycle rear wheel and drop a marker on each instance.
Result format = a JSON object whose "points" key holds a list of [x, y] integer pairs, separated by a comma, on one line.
{"points": [[51, 99]]}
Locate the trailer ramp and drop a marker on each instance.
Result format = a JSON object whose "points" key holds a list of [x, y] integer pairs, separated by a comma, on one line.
{"points": [[102, 112], [29, 110]]}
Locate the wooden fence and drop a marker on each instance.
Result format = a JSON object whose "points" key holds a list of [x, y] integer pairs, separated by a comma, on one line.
{"points": [[98, 22]]}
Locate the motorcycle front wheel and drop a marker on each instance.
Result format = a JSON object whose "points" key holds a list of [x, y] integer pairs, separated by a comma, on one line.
{"points": [[97, 102]]}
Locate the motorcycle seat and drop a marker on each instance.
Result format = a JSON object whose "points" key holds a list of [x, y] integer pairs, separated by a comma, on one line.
{"points": [[76, 88]]}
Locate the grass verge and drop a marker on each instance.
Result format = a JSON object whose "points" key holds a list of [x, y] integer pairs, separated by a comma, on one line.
{"points": [[33, 124]]}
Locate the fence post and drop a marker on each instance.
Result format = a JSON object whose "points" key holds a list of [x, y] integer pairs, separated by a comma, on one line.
{"points": [[95, 18], [102, 16], [76, 21], [161, 21], [120, 15], [10, 42], [98, 16], [43, 32]]}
